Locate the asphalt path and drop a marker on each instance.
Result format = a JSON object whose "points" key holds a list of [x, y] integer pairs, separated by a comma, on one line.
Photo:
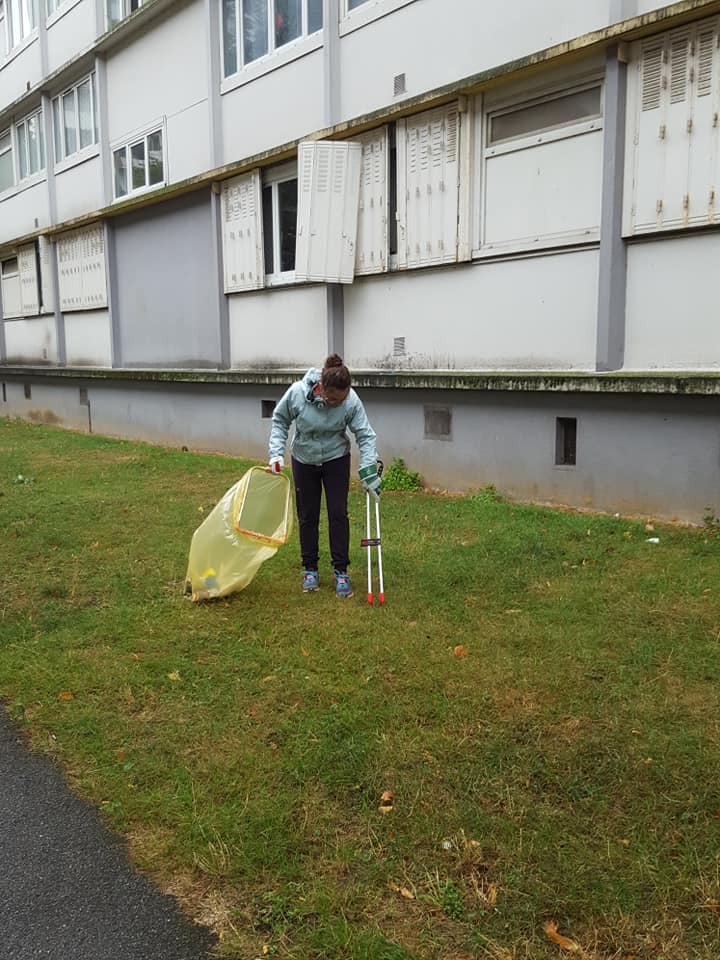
{"points": [[67, 890]]}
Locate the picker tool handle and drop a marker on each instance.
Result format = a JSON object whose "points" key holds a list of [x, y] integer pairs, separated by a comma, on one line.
{"points": [[369, 549], [379, 550]]}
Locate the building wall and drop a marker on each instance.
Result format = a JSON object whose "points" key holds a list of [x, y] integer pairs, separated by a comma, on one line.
{"points": [[20, 71], [25, 210], [672, 321], [88, 339], [279, 328], [31, 340], [636, 454], [70, 31], [165, 307], [534, 313], [79, 189]]}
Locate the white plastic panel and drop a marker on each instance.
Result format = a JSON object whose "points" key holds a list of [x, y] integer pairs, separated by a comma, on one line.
{"points": [[88, 341], [11, 295], [81, 269], [27, 268], [329, 187], [242, 233], [547, 192], [264, 327], [29, 341], [372, 232], [429, 231]]}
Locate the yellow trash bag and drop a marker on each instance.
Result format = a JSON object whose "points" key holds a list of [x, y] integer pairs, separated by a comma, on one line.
{"points": [[246, 527]]}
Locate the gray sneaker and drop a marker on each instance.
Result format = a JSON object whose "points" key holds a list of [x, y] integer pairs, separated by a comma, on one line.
{"points": [[310, 581], [343, 587]]}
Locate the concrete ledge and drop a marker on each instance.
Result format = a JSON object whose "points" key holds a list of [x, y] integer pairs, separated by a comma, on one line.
{"points": [[675, 383]]}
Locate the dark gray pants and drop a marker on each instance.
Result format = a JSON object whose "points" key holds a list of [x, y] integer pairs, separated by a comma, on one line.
{"points": [[334, 477]]}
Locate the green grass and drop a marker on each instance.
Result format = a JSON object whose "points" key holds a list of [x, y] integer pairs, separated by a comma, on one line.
{"points": [[566, 769]]}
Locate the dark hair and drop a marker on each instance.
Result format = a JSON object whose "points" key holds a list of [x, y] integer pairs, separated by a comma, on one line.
{"points": [[335, 375]]}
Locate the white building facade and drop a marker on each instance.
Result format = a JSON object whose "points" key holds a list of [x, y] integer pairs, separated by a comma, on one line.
{"points": [[504, 216]]}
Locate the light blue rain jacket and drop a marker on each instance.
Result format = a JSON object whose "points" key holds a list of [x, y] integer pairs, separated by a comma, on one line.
{"points": [[320, 430]]}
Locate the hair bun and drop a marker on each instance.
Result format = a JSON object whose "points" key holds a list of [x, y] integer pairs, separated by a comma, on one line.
{"points": [[334, 360]]}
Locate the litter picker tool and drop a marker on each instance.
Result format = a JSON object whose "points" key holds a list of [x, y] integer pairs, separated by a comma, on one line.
{"points": [[369, 542]]}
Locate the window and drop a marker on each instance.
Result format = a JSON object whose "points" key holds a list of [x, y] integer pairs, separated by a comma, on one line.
{"points": [[355, 3], [7, 176], [74, 120], [546, 115], [30, 145], [82, 275], [279, 218], [541, 180], [53, 5], [117, 10], [565, 441], [10, 282], [17, 21], [139, 165], [255, 28]]}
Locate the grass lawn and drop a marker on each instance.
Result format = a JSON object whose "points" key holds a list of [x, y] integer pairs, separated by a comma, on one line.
{"points": [[565, 770]]}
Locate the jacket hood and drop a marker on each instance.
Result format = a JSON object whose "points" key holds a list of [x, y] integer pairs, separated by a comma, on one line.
{"points": [[309, 382]]}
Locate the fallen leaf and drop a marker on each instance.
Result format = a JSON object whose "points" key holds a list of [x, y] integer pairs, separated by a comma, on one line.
{"points": [[387, 799], [460, 650], [715, 907], [403, 891], [304, 652], [174, 676], [120, 755], [66, 695], [564, 943]]}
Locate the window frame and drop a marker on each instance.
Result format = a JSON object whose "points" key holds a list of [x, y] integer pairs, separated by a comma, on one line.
{"points": [[126, 144], [4, 38], [6, 277], [15, 39], [8, 132], [366, 12], [126, 11], [275, 56], [489, 107], [59, 134], [283, 173], [32, 175]]}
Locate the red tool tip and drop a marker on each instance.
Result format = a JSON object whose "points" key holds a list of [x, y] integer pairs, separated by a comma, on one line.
{"points": [[382, 598], [370, 599]]}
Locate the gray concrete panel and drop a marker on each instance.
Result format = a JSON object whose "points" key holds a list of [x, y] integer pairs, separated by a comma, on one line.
{"points": [[165, 299]]}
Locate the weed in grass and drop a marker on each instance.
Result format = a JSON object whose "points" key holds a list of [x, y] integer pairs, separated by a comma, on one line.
{"points": [[398, 477]]}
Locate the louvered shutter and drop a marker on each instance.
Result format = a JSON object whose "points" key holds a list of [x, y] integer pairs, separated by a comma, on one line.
{"points": [[703, 180], [82, 275], [27, 269], [675, 169], [432, 173], [242, 233], [372, 231], [327, 218], [47, 298]]}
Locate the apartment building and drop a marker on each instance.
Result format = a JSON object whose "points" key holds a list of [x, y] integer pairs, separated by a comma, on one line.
{"points": [[503, 215]]}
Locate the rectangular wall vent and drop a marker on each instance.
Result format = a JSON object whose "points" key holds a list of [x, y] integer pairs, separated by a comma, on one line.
{"points": [[399, 347], [28, 391], [267, 408], [399, 85], [565, 441], [438, 423]]}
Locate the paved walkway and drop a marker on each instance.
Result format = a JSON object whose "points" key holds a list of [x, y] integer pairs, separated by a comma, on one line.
{"points": [[67, 891]]}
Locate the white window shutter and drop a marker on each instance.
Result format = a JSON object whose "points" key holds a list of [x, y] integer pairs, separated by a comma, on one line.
{"points": [[27, 269], [372, 232], [327, 220], [47, 297], [242, 233], [677, 140], [432, 175], [82, 275]]}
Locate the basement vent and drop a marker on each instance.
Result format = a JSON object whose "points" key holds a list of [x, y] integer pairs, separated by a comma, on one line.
{"points": [[84, 402], [399, 347], [399, 85], [266, 408], [438, 423], [4, 394], [565, 441], [28, 391]]}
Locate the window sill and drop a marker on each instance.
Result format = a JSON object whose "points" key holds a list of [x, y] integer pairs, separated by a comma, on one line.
{"points": [[280, 279], [60, 12], [368, 12], [75, 159], [27, 184], [536, 245], [20, 48], [140, 192], [273, 61]]}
